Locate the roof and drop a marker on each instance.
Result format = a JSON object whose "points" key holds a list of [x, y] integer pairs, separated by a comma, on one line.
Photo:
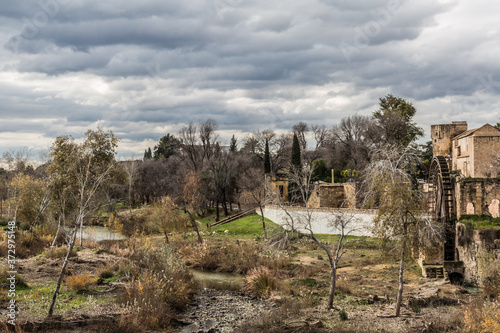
{"points": [[485, 130]]}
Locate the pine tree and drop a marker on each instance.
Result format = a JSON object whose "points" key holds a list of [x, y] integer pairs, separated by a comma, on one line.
{"points": [[296, 160], [267, 159], [233, 146], [295, 169], [148, 154]]}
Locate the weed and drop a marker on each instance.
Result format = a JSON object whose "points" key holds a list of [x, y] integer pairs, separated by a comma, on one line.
{"points": [[79, 283], [482, 316], [343, 315], [59, 252], [415, 306], [260, 282]]}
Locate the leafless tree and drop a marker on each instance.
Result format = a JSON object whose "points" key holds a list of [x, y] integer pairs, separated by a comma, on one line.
{"points": [[322, 135], [389, 186], [302, 222], [301, 129], [131, 168]]}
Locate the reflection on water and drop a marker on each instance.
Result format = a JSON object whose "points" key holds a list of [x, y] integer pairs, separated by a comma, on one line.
{"points": [[216, 280], [97, 233]]}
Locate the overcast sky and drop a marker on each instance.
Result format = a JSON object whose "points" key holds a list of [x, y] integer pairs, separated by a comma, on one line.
{"points": [[146, 68]]}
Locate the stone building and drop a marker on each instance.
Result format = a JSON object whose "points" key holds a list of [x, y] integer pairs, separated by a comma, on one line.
{"points": [[464, 180]]}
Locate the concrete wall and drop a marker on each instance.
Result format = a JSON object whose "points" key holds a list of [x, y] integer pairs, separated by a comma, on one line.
{"points": [[362, 220]]}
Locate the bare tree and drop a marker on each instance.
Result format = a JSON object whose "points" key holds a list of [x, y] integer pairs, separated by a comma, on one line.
{"points": [[321, 135], [303, 222], [253, 184], [301, 129], [131, 168], [389, 186]]}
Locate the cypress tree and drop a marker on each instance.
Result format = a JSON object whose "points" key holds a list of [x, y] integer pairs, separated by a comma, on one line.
{"points": [[148, 154], [296, 161], [233, 146], [267, 158]]}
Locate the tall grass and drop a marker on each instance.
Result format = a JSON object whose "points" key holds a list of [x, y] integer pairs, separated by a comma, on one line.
{"points": [[161, 285]]}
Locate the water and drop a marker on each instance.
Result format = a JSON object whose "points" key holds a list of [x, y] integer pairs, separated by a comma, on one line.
{"points": [[97, 233], [217, 280]]}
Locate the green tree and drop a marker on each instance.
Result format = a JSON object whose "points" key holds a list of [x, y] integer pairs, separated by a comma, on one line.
{"points": [[320, 170], [148, 154], [166, 147], [295, 168], [233, 145], [394, 117], [267, 158], [80, 170]]}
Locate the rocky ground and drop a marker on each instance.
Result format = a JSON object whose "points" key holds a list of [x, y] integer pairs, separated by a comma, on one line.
{"points": [[220, 311]]}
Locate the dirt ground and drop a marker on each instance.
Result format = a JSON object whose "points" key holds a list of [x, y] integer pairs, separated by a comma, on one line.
{"points": [[368, 286]]}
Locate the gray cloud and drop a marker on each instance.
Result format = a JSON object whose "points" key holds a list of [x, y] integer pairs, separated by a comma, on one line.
{"points": [[250, 65]]}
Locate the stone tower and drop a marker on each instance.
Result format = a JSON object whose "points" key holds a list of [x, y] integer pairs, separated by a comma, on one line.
{"points": [[441, 136]]}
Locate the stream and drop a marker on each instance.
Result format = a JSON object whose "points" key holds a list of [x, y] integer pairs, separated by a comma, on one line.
{"points": [[219, 305]]}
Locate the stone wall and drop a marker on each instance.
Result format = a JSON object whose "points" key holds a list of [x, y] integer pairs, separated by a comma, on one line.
{"points": [[478, 196], [441, 136], [471, 244]]}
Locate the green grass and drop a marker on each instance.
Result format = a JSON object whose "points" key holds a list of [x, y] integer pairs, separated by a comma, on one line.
{"points": [[481, 221], [36, 300], [245, 227]]}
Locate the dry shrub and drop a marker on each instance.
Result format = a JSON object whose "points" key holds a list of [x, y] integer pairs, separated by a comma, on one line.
{"points": [[482, 316], [90, 244], [344, 285], [28, 244], [161, 285], [260, 282], [232, 257], [490, 274], [59, 252], [79, 282]]}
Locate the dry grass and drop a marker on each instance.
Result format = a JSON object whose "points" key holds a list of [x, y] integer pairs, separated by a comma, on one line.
{"points": [[28, 244], [59, 252], [239, 257], [161, 285], [80, 282], [260, 282], [482, 316]]}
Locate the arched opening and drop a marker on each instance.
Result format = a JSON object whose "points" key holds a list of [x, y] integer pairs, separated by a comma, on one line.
{"points": [[456, 278]]}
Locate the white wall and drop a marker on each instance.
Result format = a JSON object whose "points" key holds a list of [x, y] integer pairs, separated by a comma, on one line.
{"points": [[362, 220]]}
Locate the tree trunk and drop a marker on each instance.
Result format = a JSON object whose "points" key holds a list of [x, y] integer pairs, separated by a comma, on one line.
{"points": [[401, 269], [57, 232], [263, 221], [61, 275], [333, 281], [81, 233], [195, 226], [217, 213]]}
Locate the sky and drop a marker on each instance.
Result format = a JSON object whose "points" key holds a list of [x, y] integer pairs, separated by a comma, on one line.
{"points": [[147, 68]]}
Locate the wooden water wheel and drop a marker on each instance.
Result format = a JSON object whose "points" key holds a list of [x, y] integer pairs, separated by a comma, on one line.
{"points": [[442, 202]]}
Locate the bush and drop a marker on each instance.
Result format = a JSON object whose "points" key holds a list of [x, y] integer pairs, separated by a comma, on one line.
{"points": [[59, 252], [490, 274], [231, 257], [20, 283], [260, 282], [161, 285], [482, 316], [79, 283], [343, 315]]}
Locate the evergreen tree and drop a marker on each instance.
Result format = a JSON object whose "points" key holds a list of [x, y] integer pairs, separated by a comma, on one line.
{"points": [[148, 154], [166, 147], [233, 146], [267, 158], [296, 160]]}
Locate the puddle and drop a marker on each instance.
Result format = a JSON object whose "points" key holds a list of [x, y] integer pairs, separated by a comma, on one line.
{"points": [[97, 233], [217, 280]]}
